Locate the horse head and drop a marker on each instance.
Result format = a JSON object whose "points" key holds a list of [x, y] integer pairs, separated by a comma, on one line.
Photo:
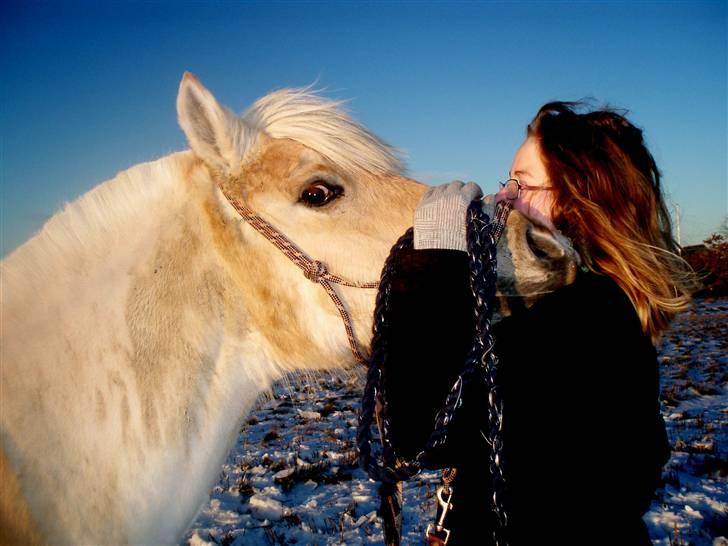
{"points": [[338, 193], [331, 187]]}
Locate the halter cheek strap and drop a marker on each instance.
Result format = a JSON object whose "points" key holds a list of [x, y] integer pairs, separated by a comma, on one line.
{"points": [[313, 270]]}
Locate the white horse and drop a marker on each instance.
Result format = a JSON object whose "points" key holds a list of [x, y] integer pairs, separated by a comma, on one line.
{"points": [[142, 322]]}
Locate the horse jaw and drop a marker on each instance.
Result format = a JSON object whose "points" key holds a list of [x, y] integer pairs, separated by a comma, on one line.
{"points": [[298, 325]]}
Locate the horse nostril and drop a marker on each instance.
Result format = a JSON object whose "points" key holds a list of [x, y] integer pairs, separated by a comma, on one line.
{"points": [[538, 244]]}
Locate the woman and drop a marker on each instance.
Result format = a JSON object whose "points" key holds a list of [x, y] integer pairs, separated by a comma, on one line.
{"points": [[584, 442]]}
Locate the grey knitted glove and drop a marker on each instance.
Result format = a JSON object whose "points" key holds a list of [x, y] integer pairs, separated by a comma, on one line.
{"points": [[440, 217]]}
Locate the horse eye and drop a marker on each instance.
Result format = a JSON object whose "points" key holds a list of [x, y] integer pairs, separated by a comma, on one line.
{"points": [[319, 193]]}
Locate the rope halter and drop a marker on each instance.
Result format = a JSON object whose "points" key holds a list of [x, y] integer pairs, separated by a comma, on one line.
{"points": [[314, 270]]}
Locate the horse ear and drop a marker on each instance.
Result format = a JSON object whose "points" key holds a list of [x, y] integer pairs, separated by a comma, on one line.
{"points": [[213, 132]]}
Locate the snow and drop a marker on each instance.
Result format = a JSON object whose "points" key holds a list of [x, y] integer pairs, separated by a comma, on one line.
{"points": [[309, 415], [293, 477], [264, 507]]}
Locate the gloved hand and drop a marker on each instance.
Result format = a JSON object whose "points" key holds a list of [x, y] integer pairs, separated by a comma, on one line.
{"points": [[441, 216]]}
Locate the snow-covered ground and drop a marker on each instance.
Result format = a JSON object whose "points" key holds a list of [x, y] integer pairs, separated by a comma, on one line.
{"points": [[293, 476]]}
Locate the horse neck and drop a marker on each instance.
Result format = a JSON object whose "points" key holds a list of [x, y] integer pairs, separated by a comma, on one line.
{"points": [[209, 362], [122, 306]]}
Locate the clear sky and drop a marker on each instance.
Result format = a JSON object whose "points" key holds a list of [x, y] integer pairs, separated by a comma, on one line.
{"points": [[88, 88]]}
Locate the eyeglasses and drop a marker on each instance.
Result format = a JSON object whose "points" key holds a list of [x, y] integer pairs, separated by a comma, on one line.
{"points": [[513, 188]]}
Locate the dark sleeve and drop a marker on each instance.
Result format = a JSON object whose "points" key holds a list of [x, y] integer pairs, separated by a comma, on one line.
{"points": [[431, 332], [584, 439], [431, 329]]}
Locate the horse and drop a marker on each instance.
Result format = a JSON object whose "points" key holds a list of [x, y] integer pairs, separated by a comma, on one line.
{"points": [[142, 322]]}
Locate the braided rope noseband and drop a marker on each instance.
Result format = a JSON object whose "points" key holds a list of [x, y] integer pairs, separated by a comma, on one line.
{"points": [[478, 377], [313, 270]]}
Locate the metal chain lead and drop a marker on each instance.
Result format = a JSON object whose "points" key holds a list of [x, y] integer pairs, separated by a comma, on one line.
{"points": [[483, 274], [479, 371]]}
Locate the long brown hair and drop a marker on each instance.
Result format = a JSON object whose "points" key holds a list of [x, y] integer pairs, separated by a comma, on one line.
{"points": [[608, 200]]}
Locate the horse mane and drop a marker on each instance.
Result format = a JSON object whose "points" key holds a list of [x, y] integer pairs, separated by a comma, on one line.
{"points": [[324, 126]]}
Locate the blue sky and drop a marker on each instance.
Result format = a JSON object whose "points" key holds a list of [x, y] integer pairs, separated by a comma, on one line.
{"points": [[88, 88]]}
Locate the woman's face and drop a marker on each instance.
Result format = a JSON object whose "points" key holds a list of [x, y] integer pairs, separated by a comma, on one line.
{"points": [[528, 168]]}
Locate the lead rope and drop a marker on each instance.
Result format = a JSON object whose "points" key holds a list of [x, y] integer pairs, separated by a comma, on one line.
{"points": [[313, 270], [479, 372]]}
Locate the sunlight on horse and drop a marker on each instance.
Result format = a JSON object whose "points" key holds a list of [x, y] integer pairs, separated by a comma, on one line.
{"points": [[142, 322]]}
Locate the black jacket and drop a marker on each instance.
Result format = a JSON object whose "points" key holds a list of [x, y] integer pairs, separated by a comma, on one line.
{"points": [[584, 442]]}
